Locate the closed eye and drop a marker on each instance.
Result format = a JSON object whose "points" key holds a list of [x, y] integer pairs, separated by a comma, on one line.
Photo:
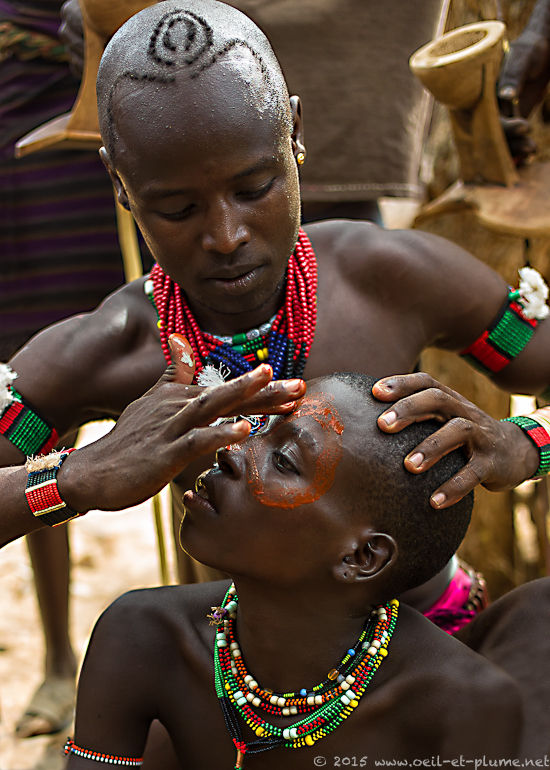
{"points": [[176, 216], [283, 463], [255, 193]]}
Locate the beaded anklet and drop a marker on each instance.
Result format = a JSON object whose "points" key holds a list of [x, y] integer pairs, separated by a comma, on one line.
{"points": [[96, 756], [19, 421], [537, 428], [327, 704], [41, 491]]}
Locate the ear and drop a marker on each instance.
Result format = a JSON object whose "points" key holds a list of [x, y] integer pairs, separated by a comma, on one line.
{"points": [[297, 137], [366, 557], [120, 191]]}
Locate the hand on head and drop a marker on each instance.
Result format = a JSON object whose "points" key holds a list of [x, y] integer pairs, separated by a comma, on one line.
{"points": [[499, 456]]}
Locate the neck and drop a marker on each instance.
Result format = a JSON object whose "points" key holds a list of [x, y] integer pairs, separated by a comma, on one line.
{"points": [[286, 641], [213, 321]]}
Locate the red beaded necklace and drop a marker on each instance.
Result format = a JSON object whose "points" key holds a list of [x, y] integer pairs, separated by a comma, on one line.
{"points": [[288, 341]]}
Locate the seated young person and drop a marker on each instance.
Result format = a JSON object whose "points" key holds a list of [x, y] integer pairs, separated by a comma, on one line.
{"points": [[320, 527], [204, 146]]}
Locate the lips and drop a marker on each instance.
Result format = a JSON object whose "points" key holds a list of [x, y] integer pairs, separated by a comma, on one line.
{"points": [[201, 497], [238, 281]]}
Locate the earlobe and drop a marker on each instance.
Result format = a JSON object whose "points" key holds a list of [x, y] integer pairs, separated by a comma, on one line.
{"points": [[298, 146], [120, 191]]}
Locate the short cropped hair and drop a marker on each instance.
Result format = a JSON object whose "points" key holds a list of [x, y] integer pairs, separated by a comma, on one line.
{"points": [[177, 40], [399, 501]]}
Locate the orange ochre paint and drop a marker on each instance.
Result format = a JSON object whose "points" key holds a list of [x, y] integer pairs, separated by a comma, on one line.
{"points": [[326, 415]]}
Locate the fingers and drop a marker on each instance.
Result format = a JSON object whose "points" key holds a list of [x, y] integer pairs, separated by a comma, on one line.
{"points": [[459, 485], [454, 434], [227, 398], [431, 404], [278, 397], [182, 359], [208, 439], [400, 385]]}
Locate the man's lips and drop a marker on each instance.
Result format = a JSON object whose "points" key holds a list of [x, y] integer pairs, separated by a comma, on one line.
{"points": [[238, 280]]}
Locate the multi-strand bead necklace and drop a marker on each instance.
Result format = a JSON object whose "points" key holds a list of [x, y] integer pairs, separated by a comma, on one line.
{"points": [[284, 342], [326, 705]]}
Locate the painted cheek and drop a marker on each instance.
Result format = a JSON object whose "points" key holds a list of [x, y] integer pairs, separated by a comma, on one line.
{"points": [[286, 495]]}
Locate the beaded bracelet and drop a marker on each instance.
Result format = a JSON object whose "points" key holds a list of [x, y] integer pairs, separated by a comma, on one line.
{"points": [[97, 756], [41, 491], [534, 427], [20, 424], [504, 340]]}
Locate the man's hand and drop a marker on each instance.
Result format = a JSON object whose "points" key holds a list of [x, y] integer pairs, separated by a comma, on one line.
{"points": [[500, 456], [522, 84], [163, 431]]}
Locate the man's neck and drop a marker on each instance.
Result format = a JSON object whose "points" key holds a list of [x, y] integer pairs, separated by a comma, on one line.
{"points": [[227, 324]]}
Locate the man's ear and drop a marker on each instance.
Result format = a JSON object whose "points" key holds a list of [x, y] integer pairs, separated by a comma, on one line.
{"points": [[366, 557], [120, 191], [297, 137]]}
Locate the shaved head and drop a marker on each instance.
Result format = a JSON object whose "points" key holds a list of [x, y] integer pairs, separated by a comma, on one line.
{"points": [[198, 50]]}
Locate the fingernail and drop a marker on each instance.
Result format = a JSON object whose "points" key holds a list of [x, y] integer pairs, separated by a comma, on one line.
{"points": [[384, 386], [389, 418], [262, 370], [415, 460], [179, 347], [294, 386], [438, 499]]}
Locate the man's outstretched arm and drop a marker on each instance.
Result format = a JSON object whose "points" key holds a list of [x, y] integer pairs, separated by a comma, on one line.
{"points": [[153, 440]]}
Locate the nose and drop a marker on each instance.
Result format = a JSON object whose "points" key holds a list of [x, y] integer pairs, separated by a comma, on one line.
{"points": [[231, 461], [224, 229]]}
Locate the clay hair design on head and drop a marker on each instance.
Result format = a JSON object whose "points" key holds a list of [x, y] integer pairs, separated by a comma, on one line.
{"points": [[171, 42], [180, 37]]}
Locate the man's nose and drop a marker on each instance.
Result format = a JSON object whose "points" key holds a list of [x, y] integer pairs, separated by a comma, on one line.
{"points": [[224, 229]]}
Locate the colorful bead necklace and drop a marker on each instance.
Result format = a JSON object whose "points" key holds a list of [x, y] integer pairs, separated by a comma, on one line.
{"points": [[284, 342], [326, 705]]}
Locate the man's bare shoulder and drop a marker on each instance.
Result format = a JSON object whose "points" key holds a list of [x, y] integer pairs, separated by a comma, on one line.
{"points": [[360, 248], [92, 364]]}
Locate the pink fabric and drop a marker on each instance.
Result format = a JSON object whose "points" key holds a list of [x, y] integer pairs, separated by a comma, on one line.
{"points": [[453, 608]]}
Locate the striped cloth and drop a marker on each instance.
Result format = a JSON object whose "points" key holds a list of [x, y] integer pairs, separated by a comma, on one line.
{"points": [[59, 251]]}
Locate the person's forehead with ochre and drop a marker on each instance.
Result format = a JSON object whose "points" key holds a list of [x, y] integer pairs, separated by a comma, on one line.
{"points": [[317, 429]]}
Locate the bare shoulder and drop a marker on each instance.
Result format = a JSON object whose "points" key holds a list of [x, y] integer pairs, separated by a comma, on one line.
{"points": [[432, 283], [168, 626], [364, 250], [455, 690], [92, 364]]}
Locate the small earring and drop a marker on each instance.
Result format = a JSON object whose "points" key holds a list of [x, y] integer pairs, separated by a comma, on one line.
{"points": [[301, 158]]}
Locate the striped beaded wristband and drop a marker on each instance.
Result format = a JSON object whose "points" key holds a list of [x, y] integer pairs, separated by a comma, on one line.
{"points": [[24, 427], [504, 340], [42, 493], [539, 436], [97, 756]]}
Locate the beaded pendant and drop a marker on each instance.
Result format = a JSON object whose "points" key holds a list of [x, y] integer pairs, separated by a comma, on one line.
{"points": [[284, 342], [326, 705]]}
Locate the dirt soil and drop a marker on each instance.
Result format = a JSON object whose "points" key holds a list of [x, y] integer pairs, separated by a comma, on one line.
{"points": [[111, 553]]}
